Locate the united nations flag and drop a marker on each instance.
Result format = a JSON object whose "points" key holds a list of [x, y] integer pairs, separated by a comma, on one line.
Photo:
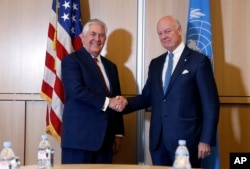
{"points": [[199, 37]]}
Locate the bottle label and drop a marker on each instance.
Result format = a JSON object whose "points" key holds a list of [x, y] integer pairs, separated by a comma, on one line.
{"points": [[181, 162], [4, 165], [42, 154]]}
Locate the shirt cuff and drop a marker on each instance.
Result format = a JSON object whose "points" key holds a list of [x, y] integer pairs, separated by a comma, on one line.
{"points": [[106, 103]]}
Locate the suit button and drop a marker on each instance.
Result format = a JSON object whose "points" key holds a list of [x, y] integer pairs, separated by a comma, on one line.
{"points": [[164, 100]]}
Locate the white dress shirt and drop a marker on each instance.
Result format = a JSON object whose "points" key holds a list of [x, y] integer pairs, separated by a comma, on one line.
{"points": [[177, 54]]}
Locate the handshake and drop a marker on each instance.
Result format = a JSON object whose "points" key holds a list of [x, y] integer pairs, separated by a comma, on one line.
{"points": [[118, 103]]}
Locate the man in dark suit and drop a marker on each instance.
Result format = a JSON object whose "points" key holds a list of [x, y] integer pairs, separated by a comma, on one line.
{"points": [[188, 109], [91, 130]]}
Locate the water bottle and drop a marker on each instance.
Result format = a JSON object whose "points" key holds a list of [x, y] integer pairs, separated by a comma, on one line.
{"points": [[8, 159], [181, 156], [44, 153]]}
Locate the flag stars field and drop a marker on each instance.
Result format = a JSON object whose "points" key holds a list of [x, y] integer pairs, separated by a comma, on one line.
{"points": [[65, 17], [66, 4]]}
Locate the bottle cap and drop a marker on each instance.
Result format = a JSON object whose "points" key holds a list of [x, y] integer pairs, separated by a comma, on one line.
{"points": [[44, 137], [7, 144], [182, 142]]}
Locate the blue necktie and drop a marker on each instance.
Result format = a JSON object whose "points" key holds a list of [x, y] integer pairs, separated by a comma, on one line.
{"points": [[168, 71]]}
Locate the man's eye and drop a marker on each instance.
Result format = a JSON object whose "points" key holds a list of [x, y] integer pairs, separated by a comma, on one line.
{"points": [[167, 31], [102, 35]]}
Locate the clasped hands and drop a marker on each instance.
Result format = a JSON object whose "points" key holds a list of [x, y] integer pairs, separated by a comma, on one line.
{"points": [[118, 103]]}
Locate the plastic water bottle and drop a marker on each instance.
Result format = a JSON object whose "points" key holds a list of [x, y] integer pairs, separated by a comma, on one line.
{"points": [[181, 156], [8, 159], [44, 153]]}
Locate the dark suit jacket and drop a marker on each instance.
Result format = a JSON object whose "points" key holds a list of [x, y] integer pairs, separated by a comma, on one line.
{"points": [[190, 108], [85, 125]]}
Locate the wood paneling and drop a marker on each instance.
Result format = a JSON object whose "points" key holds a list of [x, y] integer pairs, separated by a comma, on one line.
{"points": [[231, 39], [35, 127], [23, 40], [233, 131], [12, 125]]}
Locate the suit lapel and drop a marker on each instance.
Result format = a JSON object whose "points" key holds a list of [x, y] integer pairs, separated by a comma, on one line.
{"points": [[88, 59], [184, 59], [158, 71]]}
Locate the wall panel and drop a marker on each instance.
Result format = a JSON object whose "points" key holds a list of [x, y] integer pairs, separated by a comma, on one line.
{"points": [[35, 127], [231, 39], [23, 42], [233, 131], [12, 125]]}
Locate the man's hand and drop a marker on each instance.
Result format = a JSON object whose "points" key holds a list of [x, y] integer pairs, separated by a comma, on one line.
{"points": [[117, 144], [204, 150], [118, 103]]}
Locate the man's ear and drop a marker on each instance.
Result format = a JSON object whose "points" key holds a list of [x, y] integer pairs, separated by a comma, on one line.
{"points": [[179, 30], [82, 36]]}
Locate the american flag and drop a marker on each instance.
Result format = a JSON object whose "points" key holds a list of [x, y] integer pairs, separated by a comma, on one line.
{"points": [[63, 38]]}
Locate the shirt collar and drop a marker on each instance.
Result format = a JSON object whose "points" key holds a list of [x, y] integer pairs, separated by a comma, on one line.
{"points": [[97, 57], [179, 48]]}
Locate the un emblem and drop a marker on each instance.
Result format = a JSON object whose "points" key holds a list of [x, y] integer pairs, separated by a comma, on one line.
{"points": [[199, 35]]}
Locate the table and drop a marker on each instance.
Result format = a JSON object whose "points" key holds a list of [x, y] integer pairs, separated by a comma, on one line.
{"points": [[99, 166]]}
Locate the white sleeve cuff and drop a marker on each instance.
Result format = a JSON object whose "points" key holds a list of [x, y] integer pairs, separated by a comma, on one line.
{"points": [[106, 103]]}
